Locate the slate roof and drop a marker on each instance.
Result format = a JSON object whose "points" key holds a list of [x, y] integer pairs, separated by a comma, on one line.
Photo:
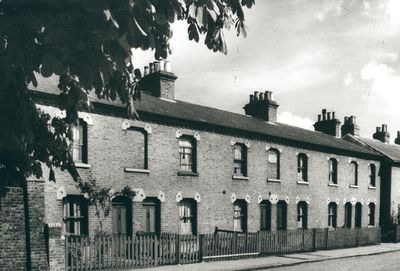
{"points": [[392, 151], [207, 115]]}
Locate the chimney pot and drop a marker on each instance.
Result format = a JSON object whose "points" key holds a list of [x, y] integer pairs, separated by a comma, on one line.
{"points": [[251, 98], [333, 115], [329, 115], [261, 97], [151, 65], [323, 114], [319, 117], [156, 66], [255, 96], [167, 65], [378, 129], [146, 70], [162, 65]]}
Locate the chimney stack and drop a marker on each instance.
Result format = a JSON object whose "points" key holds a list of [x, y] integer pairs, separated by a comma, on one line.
{"points": [[159, 80], [328, 125], [350, 127], [397, 139], [261, 105], [382, 134]]}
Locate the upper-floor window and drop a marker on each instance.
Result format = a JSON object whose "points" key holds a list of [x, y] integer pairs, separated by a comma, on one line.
{"points": [[122, 216], [332, 214], [240, 216], [371, 214], [372, 175], [354, 168], [188, 216], [281, 215], [137, 140], [79, 142], [75, 215], [302, 214], [187, 154], [240, 159], [302, 167], [273, 166], [333, 170]]}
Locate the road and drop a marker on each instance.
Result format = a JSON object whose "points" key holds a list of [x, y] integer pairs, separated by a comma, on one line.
{"points": [[386, 261]]}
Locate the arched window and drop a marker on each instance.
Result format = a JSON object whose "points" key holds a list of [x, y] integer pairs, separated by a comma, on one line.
{"points": [[371, 214], [332, 214], [265, 215], [79, 142], [273, 166], [347, 214], [240, 216], [302, 167], [122, 216], [354, 168], [281, 215], [187, 154], [358, 215], [333, 171], [302, 214], [240, 160], [372, 175]]}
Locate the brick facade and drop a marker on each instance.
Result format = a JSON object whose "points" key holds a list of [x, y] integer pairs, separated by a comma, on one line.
{"points": [[112, 149]]}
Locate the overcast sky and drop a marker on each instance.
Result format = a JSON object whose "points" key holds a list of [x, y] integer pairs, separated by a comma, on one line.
{"points": [[340, 55]]}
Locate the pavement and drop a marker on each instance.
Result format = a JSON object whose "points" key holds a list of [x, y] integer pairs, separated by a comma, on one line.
{"points": [[279, 261]]}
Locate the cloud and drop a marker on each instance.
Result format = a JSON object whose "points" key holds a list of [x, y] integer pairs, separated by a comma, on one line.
{"points": [[384, 87], [348, 80], [393, 12], [288, 118]]}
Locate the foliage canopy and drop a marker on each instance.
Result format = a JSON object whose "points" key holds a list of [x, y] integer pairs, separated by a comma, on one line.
{"points": [[87, 43]]}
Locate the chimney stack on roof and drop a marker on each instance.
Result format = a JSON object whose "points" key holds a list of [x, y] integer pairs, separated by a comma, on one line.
{"points": [[261, 105], [397, 139], [350, 126], [382, 134], [159, 80], [328, 125]]}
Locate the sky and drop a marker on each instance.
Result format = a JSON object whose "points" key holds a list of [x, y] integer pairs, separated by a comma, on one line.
{"points": [[342, 55]]}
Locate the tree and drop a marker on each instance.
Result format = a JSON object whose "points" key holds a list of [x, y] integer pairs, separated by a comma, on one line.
{"points": [[87, 43]]}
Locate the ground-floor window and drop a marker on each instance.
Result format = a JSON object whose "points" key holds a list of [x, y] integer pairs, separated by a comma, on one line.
{"points": [[358, 215], [371, 214], [152, 213], [302, 214], [122, 216], [281, 215], [347, 214], [332, 214], [187, 216], [240, 216], [265, 215], [75, 215]]}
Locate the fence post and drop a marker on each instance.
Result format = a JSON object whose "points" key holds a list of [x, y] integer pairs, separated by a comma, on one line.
{"points": [[156, 247], [259, 242], [177, 248], [200, 236], [326, 238], [314, 239]]}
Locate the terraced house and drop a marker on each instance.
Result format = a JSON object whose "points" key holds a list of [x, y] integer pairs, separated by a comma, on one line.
{"points": [[195, 168]]}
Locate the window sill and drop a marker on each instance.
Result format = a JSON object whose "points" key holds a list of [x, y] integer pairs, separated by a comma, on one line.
{"points": [[238, 177], [371, 226], [303, 182], [333, 184], [82, 165], [353, 186], [372, 187], [137, 170], [270, 180], [187, 173]]}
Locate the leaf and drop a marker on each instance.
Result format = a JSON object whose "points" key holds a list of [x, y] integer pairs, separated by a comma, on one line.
{"points": [[193, 34]]}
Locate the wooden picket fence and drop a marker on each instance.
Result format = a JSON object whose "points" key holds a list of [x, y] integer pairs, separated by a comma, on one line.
{"points": [[110, 252]]}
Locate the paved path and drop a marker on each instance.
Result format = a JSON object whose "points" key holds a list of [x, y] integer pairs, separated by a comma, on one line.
{"points": [[262, 263]]}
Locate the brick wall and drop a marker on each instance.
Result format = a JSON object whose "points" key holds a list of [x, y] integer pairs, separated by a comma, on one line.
{"points": [[12, 231], [110, 151]]}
